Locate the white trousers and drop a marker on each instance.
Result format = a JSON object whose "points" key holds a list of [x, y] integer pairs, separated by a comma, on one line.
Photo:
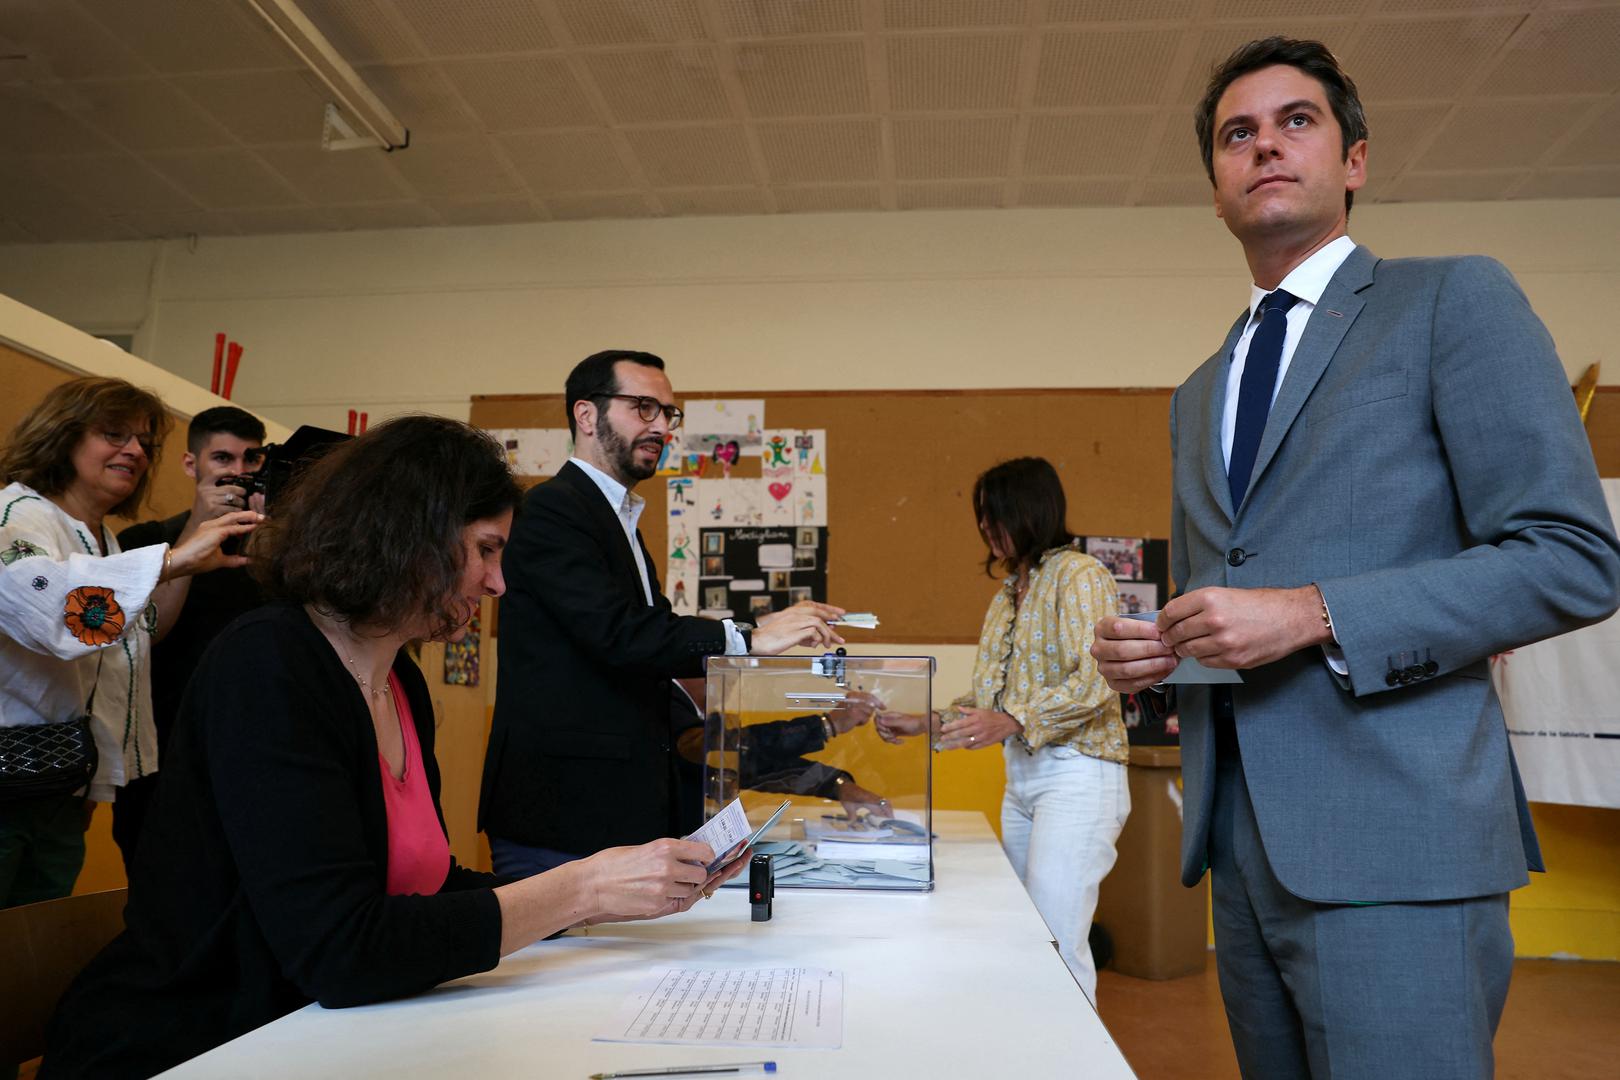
{"points": [[1060, 817]]}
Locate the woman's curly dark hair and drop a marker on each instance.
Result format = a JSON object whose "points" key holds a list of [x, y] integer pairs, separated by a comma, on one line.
{"points": [[370, 532]]}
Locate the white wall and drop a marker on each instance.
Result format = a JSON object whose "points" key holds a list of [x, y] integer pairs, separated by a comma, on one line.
{"points": [[421, 319]]}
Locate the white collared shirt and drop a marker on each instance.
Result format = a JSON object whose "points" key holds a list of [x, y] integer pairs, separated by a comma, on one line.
{"points": [[627, 507], [1307, 281]]}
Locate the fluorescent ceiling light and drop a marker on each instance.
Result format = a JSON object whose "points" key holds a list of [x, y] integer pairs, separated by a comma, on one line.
{"points": [[353, 96]]}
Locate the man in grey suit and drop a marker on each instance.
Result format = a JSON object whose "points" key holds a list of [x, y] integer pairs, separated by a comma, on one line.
{"points": [[1380, 480]]}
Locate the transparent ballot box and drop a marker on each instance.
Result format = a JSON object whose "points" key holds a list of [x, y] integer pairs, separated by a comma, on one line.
{"points": [[845, 739]]}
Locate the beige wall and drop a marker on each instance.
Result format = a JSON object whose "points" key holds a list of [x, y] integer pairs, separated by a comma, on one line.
{"points": [[420, 319]]}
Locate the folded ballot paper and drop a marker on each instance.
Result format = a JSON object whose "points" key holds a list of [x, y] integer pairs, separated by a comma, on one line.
{"points": [[860, 620]]}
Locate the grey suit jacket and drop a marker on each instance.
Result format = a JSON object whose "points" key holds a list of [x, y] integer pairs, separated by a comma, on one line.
{"points": [[1424, 464]]}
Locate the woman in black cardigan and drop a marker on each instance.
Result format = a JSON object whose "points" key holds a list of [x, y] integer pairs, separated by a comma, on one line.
{"points": [[264, 879]]}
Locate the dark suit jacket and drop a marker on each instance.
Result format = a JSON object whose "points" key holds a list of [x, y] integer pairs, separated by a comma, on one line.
{"points": [[260, 884], [580, 752]]}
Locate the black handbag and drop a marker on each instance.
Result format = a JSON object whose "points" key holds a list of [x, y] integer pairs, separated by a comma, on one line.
{"points": [[40, 760]]}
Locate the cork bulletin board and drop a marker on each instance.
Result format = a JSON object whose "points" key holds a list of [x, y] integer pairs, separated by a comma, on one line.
{"points": [[900, 469]]}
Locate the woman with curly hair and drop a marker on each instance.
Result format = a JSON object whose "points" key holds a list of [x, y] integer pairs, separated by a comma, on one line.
{"points": [[78, 617], [296, 851]]}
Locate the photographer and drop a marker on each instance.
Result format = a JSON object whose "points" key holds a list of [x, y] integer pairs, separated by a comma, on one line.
{"points": [[220, 446]]}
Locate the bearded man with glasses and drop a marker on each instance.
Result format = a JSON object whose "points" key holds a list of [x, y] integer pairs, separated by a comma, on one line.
{"points": [[580, 757]]}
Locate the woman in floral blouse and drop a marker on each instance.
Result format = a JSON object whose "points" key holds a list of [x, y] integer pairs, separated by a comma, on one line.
{"points": [[1037, 694]]}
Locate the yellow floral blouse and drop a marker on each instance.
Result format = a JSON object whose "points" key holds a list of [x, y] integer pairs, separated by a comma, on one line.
{"points": [[1034, 662]]}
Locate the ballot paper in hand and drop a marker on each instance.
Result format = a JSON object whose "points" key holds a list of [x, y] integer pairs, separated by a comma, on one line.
{"points": [[727, 832], [860, 620], [1190, 670]]}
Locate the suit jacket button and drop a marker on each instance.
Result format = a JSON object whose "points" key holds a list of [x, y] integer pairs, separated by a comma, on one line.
{"points": [[1391, 677], [1431, 668], [1236, 556], [1405, 677]]}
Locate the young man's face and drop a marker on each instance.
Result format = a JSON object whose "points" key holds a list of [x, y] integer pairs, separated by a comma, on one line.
{"points": [[631, 444], [221, 455], [1279, 159]]}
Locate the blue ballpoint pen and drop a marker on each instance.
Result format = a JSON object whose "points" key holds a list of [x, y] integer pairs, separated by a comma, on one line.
{"points": [[692, 1070]]}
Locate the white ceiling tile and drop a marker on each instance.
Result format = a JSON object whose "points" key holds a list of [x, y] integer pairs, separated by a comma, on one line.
{"points": [[827, 198], [1599, 183], [470, 27], [581, 207], [949, 196], [566, 160], [29, 125], [419, 96], [958, 71], [175, 36], [713, 201], [809, 151], [1276, 9], [522, 92], [1451, 187], [940, 148], [1561, 52], [112, 184], [752, 19], [160, 226], [338, 176], [1394, 132], [485, 211], [954, 14], [794, 78], [1098, 192], [1496, 135], [1597, 142], [461, 166], [389, 215], [659, 85], [62, 42], [292, 219], [1105, 11], [1419, 59], [150, 115], [707, 156], [261, 106], [224, 179], [631, 22], [1089, 144], [362, 31], [1104, 67], [1188, 189]]}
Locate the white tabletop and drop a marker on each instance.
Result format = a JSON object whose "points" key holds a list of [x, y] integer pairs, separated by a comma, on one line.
{"points": [[960, 982]]}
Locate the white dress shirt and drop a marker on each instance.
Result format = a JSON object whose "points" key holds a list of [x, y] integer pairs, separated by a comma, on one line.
{"points": [[1307, 281], [627, 507]]}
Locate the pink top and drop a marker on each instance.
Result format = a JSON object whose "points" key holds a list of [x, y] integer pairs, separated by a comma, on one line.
{"points": [[418, 852]]}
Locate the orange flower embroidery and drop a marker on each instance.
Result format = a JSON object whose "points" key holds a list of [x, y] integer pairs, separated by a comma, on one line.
{"points": [[93, 615]]}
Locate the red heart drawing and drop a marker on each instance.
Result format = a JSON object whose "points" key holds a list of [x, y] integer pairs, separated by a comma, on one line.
{"points": [[779, 490], [726, 452]]}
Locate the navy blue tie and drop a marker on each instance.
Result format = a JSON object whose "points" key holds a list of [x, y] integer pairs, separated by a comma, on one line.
{"points": [[1255, 391]]}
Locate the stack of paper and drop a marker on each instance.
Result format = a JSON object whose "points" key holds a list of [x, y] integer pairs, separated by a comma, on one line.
{"points": [[860, 620]]}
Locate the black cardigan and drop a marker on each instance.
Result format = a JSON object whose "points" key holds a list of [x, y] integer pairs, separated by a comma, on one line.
{"points": [[259, 883]]}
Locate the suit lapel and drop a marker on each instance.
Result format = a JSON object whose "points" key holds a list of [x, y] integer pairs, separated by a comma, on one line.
{"points": [[1330, 321], [1214, 453], [607, 523]]}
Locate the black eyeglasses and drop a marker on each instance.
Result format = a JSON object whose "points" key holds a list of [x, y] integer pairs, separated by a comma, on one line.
{"points": [[648, 408]]}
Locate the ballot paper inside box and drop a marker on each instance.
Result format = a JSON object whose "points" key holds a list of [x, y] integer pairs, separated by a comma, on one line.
{"points": [[862, 813]]}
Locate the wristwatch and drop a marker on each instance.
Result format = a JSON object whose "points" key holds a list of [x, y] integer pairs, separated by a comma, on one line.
{"points": [[746, 629]]}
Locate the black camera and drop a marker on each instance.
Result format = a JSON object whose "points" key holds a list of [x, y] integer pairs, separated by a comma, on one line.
{"points": [[251, 484], [278, 464]]}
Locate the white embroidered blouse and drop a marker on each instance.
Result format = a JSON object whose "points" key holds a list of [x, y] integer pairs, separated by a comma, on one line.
{"points": [[73, 618]]}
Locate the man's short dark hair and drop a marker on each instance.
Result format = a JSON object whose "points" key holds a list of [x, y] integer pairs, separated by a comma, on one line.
{"points": [[1310, 57], [593, 376], [223, 420]]}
